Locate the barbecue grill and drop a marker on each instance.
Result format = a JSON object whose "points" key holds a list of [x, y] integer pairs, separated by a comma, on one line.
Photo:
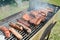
{"points": [[39, 33]]}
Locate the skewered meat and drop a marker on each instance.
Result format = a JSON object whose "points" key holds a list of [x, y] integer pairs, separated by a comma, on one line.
{"points": [[5, 31], [23, 22], [13, 31], [25, 27], [15, 26]]}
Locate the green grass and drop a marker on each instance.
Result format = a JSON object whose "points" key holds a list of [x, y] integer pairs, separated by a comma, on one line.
{"points": [[55, 34], [10, 10], [56, 2]]}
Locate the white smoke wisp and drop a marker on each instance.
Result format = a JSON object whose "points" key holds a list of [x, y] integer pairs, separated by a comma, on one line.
{"points": [[38, 4]]}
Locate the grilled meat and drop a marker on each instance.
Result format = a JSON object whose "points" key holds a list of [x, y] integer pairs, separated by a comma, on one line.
{"points": [[5, 31], [23, 22], [25, 27], [15, 26], [13, 31]]}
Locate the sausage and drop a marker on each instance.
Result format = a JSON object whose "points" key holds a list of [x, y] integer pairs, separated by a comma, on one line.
{"points": [[39, 18], [13, 31], [42, 18], [39, 12], [38, 21], [23, 22], [5, 31], [26, 17], [50, 9], [16, 26], [42, 15], [25, 27], [44, 12], [34, 12], [34, 21]]}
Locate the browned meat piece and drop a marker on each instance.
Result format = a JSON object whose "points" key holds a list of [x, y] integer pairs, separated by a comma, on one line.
{"points": [[38, 21], [34, 12], [39, 18], [16, 26], [26, 17], [42, 18], [5, 31], [23, 22], [25, 27], [44, 12], [50, 9], [34, 21], [42, 15], [13, 31]]}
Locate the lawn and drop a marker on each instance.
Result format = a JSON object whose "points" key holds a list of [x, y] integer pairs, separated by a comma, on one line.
{"points": [[56, 2], [7, 11], [55, 33]]}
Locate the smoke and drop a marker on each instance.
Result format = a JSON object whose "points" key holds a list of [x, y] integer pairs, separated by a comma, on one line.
{"points": [[38, 4]]}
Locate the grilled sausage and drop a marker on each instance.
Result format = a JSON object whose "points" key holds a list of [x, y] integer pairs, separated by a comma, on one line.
{"points": [[44, 12], [26, 17], [34, 12], [15, 26], [23, 22], [25, 27], [5, 31], [42, 18], [38, 21], [39, 12], [13, 31], [39, 18], [42, 15], [50, 9], [34, 21]]}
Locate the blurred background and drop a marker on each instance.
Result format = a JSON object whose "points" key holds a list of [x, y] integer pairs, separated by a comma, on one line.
{"points": [[10, 7]]}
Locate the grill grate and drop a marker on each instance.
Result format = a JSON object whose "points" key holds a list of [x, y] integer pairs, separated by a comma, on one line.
{"points": [[25, 35]]}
